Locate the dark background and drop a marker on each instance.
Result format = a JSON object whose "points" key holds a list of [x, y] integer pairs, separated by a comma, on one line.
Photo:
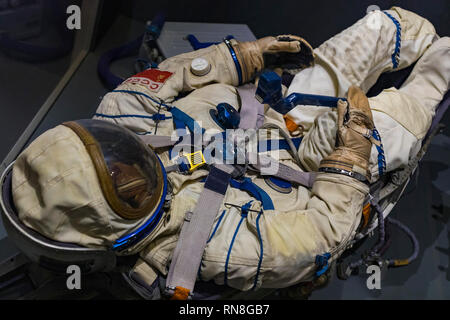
{"points": [[316, 20]]}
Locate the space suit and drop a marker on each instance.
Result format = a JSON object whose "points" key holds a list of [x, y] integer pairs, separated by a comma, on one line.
{"points": [[255, 242]]}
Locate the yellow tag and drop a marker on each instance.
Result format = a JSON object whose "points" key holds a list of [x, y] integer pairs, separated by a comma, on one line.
{"points": [[195, 160]]}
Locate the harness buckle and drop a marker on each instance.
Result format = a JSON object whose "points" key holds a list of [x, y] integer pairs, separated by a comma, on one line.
{"points": [[322, 263], [191, 161]]}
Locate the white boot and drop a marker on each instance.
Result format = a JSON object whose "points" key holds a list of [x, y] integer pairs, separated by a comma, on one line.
{"points": [[430, 78], [403, 116], [413, 105], [359, 55]]}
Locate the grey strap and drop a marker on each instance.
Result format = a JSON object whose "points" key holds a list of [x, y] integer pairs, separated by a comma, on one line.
{"points": [[196, 229], [299, 177], [158, 141], [252, 111], [259, 162], [267, 165], [166, 141]]}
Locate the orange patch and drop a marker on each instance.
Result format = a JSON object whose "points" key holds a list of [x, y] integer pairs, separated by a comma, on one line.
{"points": [[366, 214]]}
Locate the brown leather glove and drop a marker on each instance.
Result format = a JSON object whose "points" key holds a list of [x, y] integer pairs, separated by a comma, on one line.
{"points": [[354, 138], [130, 183], [285, 51]]}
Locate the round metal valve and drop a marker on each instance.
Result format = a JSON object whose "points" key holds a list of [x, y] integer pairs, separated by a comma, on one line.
{"points": [[200, 67]]}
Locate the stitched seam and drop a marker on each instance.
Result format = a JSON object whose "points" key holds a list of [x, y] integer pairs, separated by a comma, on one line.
{"points": [[396, 55]]}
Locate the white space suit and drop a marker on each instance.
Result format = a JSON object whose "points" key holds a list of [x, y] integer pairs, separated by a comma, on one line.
{"points": [[274, 247]]}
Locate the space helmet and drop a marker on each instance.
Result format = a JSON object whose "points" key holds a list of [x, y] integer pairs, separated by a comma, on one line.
{"points": [[85, 184]]}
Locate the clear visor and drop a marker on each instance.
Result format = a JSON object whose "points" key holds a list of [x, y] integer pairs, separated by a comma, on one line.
{"points": [[130, 173]]}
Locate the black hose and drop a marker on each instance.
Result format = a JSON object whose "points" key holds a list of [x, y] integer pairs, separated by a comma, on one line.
{"points": [[110, 79], [415, 242], [387, 242], [152, 33], [381, 230], [382, 245]]}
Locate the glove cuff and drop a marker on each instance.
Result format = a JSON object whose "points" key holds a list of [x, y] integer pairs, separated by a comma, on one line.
{"points": [[348, 162], [352, 174], [250, 58]]}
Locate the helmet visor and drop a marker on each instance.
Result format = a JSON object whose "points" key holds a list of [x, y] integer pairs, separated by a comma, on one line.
{"points": [[129, 172]]}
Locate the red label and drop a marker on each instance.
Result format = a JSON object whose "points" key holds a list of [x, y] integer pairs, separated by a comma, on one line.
{"points": [[152, 79]]}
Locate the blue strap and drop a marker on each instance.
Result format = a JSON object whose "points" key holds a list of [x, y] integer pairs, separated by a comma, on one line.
{"points": [[155, 117], [244, 212], [179, 126], [282, 144], [235, 59], [225, 277], [144, 95], [200, 45], [259, 194], [177, 114], [381, 157], [245, 208], [217, 225], [398, 38], [186, 119]]}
